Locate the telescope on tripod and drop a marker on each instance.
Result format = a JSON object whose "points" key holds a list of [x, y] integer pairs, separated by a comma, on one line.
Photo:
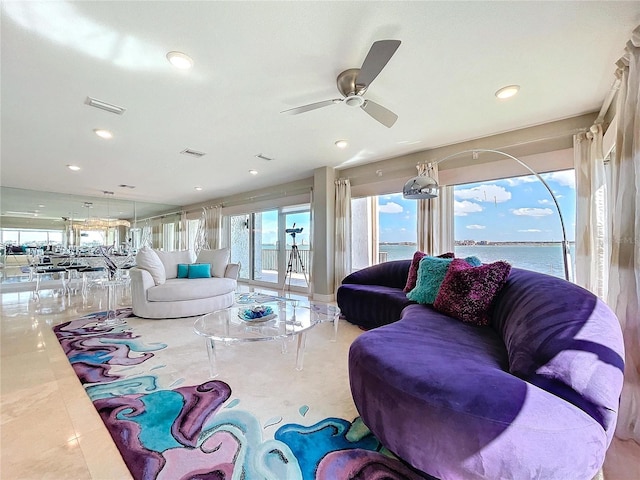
{"points": [[294, 258]]}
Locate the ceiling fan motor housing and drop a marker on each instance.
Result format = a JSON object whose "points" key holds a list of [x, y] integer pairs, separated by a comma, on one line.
{"points": [[347, 83]]}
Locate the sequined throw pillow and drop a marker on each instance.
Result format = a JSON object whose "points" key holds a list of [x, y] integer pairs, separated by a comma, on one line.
{"points": [[467, 292]]}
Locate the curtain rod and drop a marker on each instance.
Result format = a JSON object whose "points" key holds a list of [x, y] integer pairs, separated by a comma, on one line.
{"points": [[615, 86]]}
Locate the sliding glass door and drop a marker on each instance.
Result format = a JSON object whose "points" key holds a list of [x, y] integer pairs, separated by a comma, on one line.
{"points": [[298, 259], [239, 228], [262, 242], [265, 240]]}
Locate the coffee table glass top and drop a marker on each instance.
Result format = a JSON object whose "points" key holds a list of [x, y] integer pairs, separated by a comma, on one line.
{"points": [[230, 325]]}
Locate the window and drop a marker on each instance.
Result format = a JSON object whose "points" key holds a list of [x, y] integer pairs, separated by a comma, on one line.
{"points": [[32, 237], [383, 228], [515, 219]]}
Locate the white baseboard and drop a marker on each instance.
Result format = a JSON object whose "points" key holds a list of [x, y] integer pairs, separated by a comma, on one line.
{"points": [[323, 298]]}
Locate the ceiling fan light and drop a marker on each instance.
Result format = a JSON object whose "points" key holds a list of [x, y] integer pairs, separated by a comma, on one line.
{"points": [[507, 92], [354, 101], [420, 187]]}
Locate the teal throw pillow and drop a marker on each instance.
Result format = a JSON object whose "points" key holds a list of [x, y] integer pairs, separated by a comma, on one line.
{"points": [[431, 273], [200, 270], [183, 270]]}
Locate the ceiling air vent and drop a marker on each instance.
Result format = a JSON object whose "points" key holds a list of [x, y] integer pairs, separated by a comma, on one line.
{"points": [[193, 153], [94, 102], [263, 157]]}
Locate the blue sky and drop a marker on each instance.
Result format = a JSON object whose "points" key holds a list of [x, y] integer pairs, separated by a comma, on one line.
{"points": [[515, 209], [270, 227]]}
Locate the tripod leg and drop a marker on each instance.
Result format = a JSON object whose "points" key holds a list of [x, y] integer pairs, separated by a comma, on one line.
{"points": [[288, 273], [299, 258]]}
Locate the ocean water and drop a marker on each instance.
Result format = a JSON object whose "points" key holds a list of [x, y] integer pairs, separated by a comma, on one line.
{"points": [[539, 258]]}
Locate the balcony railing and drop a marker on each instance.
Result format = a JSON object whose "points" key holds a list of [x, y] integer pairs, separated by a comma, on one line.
{"points": [[270, 259]]}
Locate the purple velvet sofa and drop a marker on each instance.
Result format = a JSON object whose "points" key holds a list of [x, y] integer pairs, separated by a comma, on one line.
{"points": [[373, 296], [533, 395]]}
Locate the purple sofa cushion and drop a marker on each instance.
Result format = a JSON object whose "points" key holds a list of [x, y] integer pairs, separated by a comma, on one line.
{"points": [[564, 339], [467, 292], [371, 306], [437, 392], [431, 273], [412, 278]]}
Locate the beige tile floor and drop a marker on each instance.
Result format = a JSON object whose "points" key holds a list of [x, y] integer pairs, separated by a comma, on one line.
{"points": [[49, 428]]}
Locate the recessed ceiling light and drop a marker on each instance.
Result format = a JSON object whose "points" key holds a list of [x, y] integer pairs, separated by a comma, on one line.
{"points": [[102, 133], [199, 189], [75, 168], [342, 144], [180, 60], [507, 92], [253, 172], [40, 205]]}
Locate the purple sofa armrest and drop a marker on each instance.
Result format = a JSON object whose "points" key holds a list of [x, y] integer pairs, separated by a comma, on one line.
{"points": [[388, 274], [563, 339]]}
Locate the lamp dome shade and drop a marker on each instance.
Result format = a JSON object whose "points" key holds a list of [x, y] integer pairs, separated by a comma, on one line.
{"points": [[420, 187]]}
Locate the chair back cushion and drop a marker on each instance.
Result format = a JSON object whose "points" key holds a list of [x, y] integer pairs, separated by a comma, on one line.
{"points": [[148, 260], [170, 260], [217, 258]]}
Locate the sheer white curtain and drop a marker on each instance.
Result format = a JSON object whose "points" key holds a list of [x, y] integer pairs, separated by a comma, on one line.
{"points": [[374, 234], [214, 227], [435, 217], [592, 252], [201, 241], [147, 236], [624, 276], [184, 232], [342, 266]]}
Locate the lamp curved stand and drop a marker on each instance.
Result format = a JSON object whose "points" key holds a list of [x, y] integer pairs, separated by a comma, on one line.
{"points": [[566, 253]]}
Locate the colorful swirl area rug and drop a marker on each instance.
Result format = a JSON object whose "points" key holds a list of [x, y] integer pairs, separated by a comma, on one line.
{"points": [[198, 431]]}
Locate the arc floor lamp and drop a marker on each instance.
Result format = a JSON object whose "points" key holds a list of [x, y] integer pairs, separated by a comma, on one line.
{"points": [[425, 187]]}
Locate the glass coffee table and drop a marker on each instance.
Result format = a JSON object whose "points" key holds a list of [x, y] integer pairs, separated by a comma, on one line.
{"points": [[231, 325]]}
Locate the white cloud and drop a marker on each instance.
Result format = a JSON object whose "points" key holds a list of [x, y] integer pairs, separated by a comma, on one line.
{"points": [[530, 230], [390, 207], [476, 227], [532, 212], [462, 209], [565, 178], [484, 193], [544, 202], [512, 182]]}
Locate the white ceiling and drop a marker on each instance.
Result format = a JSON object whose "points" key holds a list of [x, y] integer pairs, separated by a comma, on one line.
{"points": [[256, 59]]}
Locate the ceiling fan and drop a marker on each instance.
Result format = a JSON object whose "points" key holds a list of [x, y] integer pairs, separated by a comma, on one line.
{"points": [[353, 83]]}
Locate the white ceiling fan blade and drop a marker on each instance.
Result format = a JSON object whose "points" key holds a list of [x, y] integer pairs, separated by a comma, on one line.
{"points": [[379, 55], [311, 106], [379, 113]]}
